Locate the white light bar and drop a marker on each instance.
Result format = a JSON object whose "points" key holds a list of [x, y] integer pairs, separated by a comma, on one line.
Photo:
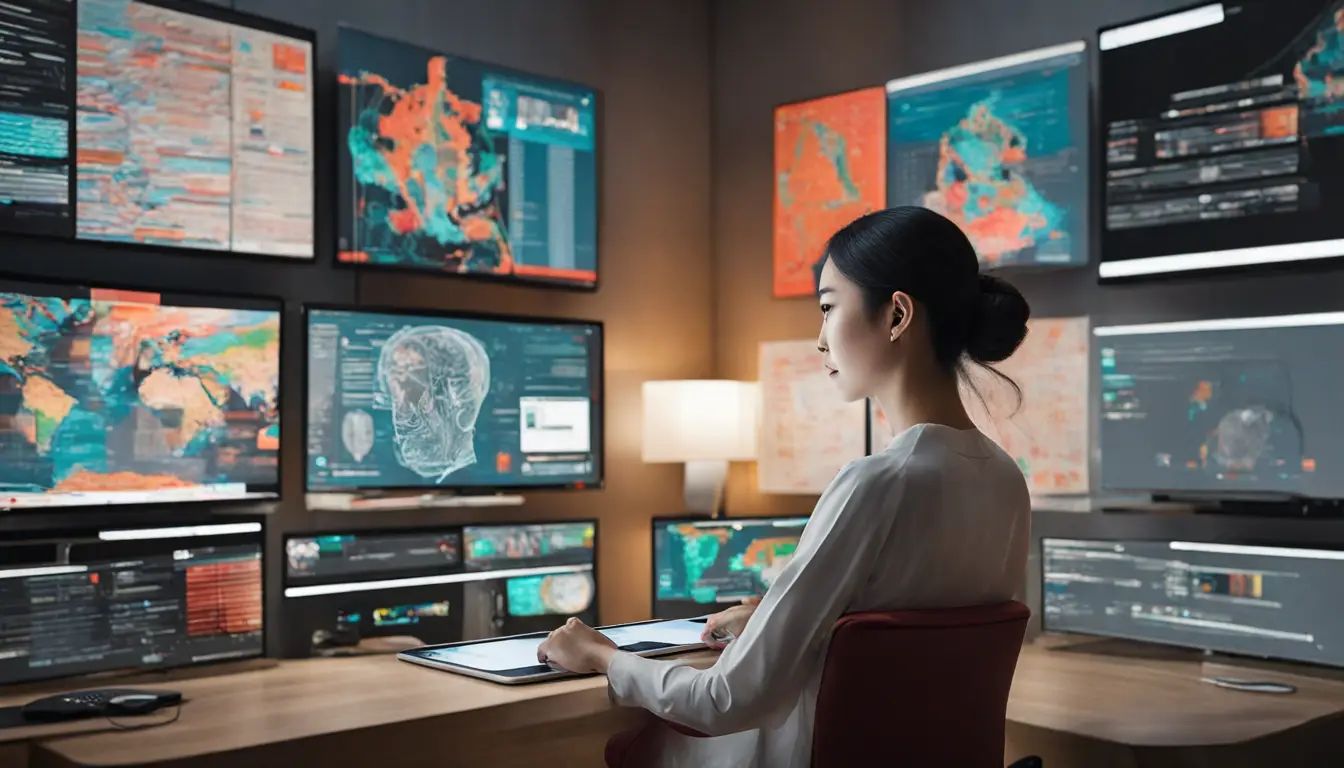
{"points": [[212, 492], [424, 581], [47, 570], [1236, 549], [180, 532], [1229, 324], [1163, 26], [980, 67], [1235, 257], [738, 522]]}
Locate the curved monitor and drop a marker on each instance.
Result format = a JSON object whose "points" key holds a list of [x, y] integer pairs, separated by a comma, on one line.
{"points": [[122, 397], [409, 400]]}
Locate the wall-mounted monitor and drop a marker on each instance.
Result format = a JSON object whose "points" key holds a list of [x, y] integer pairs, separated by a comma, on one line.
{"points": [[1001, 148], [451, 401], [1222, 138], [190, 126], [130, 599], [438, 585], [702, 566], [1264, 601], [1224, 409], [124, 397], [452, 166]]}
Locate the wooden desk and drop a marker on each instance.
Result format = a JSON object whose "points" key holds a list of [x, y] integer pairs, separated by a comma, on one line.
{"points": [[1072, 708], [359, 711], [1080, 708]]}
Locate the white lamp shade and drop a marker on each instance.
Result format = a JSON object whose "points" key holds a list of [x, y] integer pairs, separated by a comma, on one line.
{"points": [[700, 420]]}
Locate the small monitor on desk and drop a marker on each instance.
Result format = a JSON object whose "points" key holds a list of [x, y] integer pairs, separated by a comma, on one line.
{"points": [[127, 599], [1263, 601], [438, 585], [701, 566]]}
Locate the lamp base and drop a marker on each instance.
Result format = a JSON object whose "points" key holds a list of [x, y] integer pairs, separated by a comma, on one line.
{"points": [[704, 487]]}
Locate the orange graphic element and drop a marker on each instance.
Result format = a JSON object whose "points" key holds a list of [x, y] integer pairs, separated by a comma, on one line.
{"points": [[224, 598], [1279, 122], [289, 58], [85, 481], [830, 168]]}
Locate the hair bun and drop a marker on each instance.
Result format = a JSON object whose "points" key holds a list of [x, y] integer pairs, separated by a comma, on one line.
{"points": [[1000, 321]]}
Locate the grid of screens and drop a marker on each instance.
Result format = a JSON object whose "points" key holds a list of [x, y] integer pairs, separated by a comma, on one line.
{"points": [[1260, 601], [1223, 134], [82, 605], [1224, 407], [188, 130], [451, 165], [450, 401], [439, 585], [1001, 148], [700, 566], [113, 397]]}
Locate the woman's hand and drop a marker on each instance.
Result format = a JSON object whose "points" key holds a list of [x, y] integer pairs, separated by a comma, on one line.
{"points": [[731, 621], [578, 648]]}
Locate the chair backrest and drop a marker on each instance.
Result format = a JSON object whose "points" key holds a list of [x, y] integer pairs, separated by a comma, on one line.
{"points": [[918, 688]]}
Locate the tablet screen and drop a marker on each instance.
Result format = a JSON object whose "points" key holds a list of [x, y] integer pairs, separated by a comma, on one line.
{"points": [[518, 652]]}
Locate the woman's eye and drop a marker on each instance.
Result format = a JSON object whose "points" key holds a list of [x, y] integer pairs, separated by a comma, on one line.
{"points": [[825, 308]]}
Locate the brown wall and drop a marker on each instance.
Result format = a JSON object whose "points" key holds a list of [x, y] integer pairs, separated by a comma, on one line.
{"points": [[769, 52], [649, 62]]}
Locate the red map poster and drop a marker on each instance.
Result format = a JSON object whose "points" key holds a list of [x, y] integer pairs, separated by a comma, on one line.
{"points": [[830, 168]]}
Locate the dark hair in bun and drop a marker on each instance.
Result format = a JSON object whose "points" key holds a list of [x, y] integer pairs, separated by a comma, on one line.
{"points": [[975, 317]]}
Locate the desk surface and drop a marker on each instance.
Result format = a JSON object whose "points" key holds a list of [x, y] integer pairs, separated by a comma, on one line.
{"points": [[1138, 702]]}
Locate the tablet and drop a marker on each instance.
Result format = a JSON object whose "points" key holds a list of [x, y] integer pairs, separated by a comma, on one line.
{"points": [[512, 660]]}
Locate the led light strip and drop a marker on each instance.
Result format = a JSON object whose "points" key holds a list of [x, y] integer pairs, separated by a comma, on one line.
{"points": [[1237, 549], [180, 532], [424, 581], [1231, 324], [988, 65], [1152, 29], [1235, 257], [49, 570]]}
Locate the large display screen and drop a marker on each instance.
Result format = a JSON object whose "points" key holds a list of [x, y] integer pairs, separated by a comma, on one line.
{"points": [[454, 166], [1001, 148], [401, 400], [115, 397], [130, 599], [1223, 408], [1222, 128], [702, 566], [1261, 601], [192, 126]]}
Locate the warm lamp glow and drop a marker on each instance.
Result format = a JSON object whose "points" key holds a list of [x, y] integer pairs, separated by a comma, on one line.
{"points": [[700, 420]]}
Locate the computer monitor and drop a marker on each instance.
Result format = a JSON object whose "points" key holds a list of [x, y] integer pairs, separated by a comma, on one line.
{"points": [[1001, 148], [1266, 601], [130, 599], [194, 127], [701, 566], [130, 397], [438, 585], [455, 166], [1224, 408], [1221, 138], [405, 400]]}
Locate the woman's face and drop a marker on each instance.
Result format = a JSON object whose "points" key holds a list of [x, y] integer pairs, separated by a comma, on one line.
{"points": [[855, 343]]}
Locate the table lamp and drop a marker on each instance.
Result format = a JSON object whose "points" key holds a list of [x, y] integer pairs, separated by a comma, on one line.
{"points": [[705, 424]]}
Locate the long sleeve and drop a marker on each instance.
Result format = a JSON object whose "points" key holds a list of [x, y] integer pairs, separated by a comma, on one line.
{"points": [[766, 667]]}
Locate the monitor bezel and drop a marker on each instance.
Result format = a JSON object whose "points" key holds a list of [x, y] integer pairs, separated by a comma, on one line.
{"points": [[69, 232], [658, 521], [1193, 646], [271, 494], [486, 277], [464, 490], [261, 537]]}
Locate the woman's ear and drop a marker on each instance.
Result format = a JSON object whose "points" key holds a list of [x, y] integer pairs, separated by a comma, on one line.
{"points": [[902, 313]]}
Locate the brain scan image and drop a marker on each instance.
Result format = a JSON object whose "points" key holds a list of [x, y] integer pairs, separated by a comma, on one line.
{"points": [[567, 593], [434, 379], [357, 434]]}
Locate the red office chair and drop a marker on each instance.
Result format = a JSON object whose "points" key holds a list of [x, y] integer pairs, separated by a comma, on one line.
{"points": [[918, 688], [910, 688]]}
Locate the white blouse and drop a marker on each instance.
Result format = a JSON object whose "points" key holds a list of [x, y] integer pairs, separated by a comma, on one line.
{"points": [[939, 519]]}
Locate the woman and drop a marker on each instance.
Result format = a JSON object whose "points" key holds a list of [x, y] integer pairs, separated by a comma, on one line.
{"points": [[938, 519]]}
